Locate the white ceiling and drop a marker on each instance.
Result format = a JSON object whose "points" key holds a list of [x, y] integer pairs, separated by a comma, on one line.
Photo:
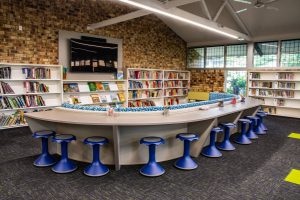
{"points": [[262, 23]]}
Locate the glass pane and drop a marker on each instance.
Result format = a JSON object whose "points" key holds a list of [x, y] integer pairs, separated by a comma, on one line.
{"points": [[215, 57], [195, 58], [236, 55], [236, 82], [290, 53], [265, 54]]}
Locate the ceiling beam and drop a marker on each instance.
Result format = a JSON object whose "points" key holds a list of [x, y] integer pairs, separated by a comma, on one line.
{"points": [[220, 10], [206, 9], [176, 3], [237, 18]]}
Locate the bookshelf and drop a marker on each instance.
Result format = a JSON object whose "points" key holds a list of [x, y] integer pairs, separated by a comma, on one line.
{"points": [[149, 87], [27, 88], [279, 89], [95, 92]]}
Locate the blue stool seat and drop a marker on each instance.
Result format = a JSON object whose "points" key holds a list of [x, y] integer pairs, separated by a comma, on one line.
{"points": [[152, 168], [226, 145], [261, 128], [211, 150], [96, 168], [252, 127], [186, 162], [65, 165], [242, 138], [44, 159]]}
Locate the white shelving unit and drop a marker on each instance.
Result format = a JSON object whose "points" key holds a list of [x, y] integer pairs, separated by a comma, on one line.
{"points": [[280, 90], [169, 85], [53, 98]]}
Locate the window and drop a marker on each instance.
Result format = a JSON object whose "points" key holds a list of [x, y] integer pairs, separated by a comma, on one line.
{"points": [[236, 55], [215, 57], [265, 54], [196, 57], [290, 53], [236, 82]]}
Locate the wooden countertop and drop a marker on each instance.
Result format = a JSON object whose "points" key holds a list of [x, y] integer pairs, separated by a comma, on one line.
{"points": [[139, 119]]}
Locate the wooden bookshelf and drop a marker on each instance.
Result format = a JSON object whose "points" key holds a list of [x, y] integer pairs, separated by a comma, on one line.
{"points": [[51, 98], [279, 89]]}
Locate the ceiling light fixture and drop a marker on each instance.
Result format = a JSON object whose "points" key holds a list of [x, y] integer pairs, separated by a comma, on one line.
{"points": [[161, 12]]}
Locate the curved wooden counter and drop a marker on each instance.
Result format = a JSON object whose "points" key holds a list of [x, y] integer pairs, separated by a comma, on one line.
{"points": [[125, 130]]}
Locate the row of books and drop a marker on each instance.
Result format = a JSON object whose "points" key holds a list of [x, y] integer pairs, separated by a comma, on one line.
{"points": [[5, 72], [176, 75], [286, 85], [94, 86], [274, 85], [14, 119], [22, 101], [34, 87], [176, 84], [140, 94], [98, 99], [271, 93], [171, 101], [36, 73], [289, 76], [175, 92], [143, 74], [141, 103], [144, 84], [5, 88], [254, 75]]}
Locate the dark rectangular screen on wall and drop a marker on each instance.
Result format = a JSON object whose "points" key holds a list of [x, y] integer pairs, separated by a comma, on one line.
{"points": [[93, 55]]}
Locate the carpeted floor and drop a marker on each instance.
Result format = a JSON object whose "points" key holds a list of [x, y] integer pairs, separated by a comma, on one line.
{"points": [[253, 171]]}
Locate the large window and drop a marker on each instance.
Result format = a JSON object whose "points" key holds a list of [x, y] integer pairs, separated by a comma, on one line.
{"points": [[196, 57], [215, 57], [290, 53], [265, 54], [236, 56], [236, 82]]}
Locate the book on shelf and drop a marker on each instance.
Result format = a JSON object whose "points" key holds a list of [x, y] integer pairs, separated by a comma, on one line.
{"points": [[113, 86], [103, 98], [284, 75], [144, 74], [5, 88], [99, 86], [171, 101], [108, 98], [121, 96], [176, 92], [36, 73], [176, 75], [120, 75], [254, 75], [16, 118], [141, 103], [137, 94], [34, 87], [71, 87], [74, 99], [115, 97], [5, 72], [106, 86], [120, 86], [92, 86], [95, 98], [22, 101]]}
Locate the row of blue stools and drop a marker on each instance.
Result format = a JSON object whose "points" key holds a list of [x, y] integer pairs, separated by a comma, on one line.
{"points": [[152, 168]]}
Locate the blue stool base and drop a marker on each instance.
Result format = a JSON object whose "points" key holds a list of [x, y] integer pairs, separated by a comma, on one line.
{"points": [[242, 139], [152, 169], [96, 169], [64, 166], [44, 160], [186, 163], [262, 125], [225, 146], [211, 151], [260, 131], [251, 135]]}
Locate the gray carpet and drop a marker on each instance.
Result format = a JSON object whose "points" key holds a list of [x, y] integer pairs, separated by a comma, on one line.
{"points": [[253, 171]]}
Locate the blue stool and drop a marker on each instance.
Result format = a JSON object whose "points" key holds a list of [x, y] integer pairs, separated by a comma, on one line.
{"points": [[226, 144], [261, 128], [186, 162], [65, 165], [96, 168], [152, 168], [243, 139], [45, 159], [252, 127], [211, 150]]}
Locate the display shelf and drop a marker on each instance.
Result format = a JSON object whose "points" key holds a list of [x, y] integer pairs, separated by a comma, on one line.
{"points": [[71, 81], [146, 98], [29, 108], [146, 89], [38, 93], [13, 126]]}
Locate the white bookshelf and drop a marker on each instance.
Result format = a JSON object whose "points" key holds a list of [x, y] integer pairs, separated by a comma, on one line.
{"points": [[279, 89], [53, 98]]}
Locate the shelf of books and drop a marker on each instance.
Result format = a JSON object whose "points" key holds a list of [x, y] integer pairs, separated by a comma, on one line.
{"points": [[155, 87], [280, 90], [101, 92], [27, 88]]}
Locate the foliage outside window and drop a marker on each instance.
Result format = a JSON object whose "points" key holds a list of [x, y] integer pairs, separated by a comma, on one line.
{"points": [[236, 82], [265, 54], [215, 57], [236, 56], [196, 57], [290, 53]]}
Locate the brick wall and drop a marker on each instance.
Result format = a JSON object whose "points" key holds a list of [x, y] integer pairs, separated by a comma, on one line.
{"points": [[207, 80], [147, 41]]}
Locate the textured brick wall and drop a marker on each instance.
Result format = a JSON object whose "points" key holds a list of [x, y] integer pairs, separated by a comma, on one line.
{"points": [[207, 80], [147, 42]]}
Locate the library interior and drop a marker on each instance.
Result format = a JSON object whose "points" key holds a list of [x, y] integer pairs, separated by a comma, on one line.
{"points": [[150, 99]]}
